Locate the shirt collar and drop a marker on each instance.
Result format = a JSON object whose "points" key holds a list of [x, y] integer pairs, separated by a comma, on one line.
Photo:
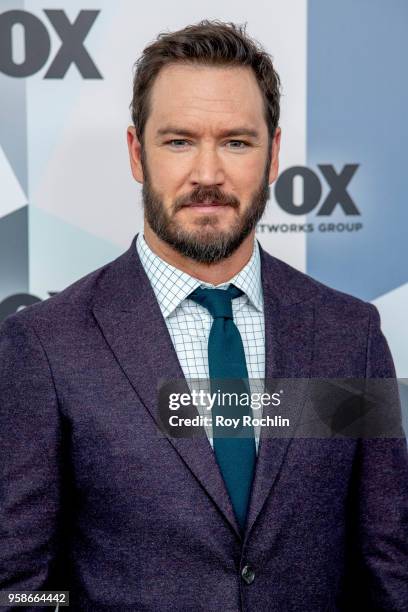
{"points": [[171, 285]]}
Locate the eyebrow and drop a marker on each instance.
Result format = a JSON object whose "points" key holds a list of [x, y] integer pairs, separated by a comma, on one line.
{"points": [[239, 131]]}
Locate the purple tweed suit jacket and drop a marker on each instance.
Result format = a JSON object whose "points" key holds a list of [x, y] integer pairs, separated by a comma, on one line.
{"points": [[93, 501]]}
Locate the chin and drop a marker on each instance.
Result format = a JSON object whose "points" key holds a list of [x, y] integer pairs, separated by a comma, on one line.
{"points": [[208, 235], [209, 224]]}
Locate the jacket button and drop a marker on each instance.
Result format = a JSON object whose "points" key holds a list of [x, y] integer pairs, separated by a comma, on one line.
{"points": [[248, 574]]}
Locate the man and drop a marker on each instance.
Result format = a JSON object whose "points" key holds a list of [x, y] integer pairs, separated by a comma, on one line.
{"points": [[95, 499]]}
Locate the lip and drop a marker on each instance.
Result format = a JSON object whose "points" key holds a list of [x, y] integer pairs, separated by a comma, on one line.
{"points": [[207, 206]]}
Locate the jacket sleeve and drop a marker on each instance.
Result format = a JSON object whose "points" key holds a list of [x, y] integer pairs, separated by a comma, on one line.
{"points": [[382, 496], [29, 461]]}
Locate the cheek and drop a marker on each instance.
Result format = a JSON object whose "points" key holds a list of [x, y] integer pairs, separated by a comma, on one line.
{"points": [[167, 175], [246, 179], [247, 170]]}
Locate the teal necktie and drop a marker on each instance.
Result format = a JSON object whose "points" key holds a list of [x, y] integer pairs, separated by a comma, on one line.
{"points": [[234, 448]]}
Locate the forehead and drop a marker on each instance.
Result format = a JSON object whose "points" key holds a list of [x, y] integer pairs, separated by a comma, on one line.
{"points": [[206, 96]]}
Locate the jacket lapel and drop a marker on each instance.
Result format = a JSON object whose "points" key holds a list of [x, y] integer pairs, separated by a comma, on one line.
{"points": [[129, 316], [289, 333]]}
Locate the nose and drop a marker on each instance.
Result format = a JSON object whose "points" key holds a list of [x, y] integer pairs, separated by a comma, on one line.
{"points": [[207, 169]]}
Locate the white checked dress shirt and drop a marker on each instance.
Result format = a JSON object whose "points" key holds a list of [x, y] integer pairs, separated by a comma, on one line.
{"points": [[189, 323]]}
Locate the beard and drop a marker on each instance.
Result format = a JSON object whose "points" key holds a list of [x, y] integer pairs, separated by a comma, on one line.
{"points": [[207, 244]]}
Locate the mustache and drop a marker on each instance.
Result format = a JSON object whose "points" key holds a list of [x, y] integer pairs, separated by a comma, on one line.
{"points": [[201, 194]]}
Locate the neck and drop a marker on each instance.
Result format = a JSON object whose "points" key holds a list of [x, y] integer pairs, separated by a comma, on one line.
{"points": [[214, 273]]}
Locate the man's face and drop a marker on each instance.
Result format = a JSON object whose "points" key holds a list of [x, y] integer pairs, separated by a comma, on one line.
{"points": [[206, 162]]}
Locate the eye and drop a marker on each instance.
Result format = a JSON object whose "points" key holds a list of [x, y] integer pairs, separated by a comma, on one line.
{"points": [[242, 144], [175, 142]]}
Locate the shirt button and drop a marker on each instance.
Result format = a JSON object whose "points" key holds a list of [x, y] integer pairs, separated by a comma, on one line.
{"points": [[248, 574]]}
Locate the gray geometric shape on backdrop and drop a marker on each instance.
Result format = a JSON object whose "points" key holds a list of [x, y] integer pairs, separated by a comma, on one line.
{"points": [[14, 253], [13, 116]]}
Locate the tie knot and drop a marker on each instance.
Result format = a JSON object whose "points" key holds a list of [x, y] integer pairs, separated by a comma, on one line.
{"points": [[217, 301]]}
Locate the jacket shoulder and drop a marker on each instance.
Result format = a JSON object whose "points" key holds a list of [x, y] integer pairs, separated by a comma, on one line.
{"points": [[72, 303], [294, 286]]}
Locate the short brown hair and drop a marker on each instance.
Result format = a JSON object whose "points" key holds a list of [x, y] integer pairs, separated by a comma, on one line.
{"points": [[213, 43]]}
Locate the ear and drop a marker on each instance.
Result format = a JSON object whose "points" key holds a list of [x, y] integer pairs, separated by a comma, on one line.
{"points": [[273, 173], [135, 154]]}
